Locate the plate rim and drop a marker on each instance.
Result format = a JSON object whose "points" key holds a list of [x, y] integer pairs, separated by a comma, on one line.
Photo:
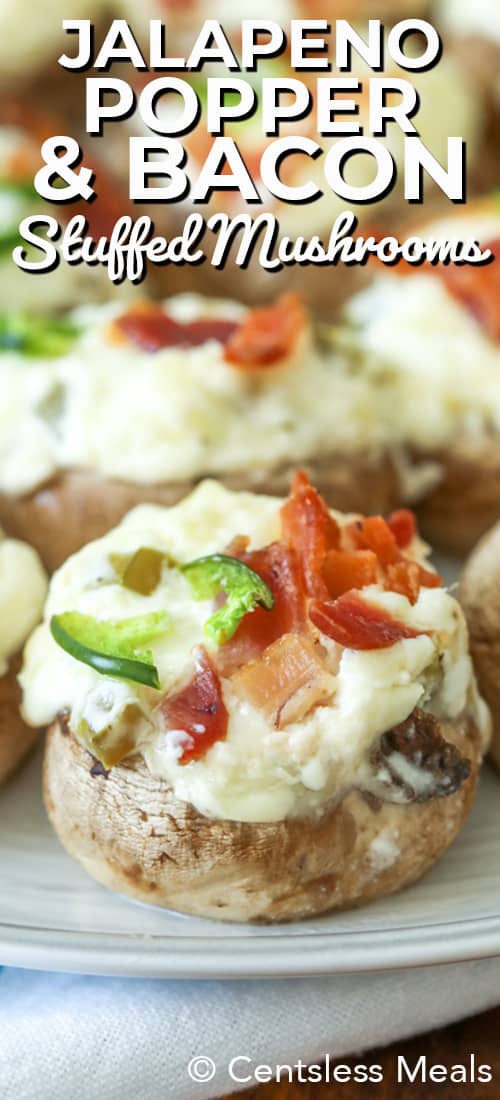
{"points": [[118, 954]]}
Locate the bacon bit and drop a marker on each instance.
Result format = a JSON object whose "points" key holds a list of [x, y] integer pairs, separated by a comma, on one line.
{"points": [[403, 577], [150, 328], [279, 567], [198, 709], [268, 335], [408, 577], [356, 624], [286, 681], [478, 289], [429, 579], [403, 526], [373, 533], [343, 571], [308, 527], [386, 539]]}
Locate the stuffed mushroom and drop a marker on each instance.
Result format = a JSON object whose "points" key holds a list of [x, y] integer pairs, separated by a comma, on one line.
{"points": [[111, 406], [430, 335], [259, 709]]}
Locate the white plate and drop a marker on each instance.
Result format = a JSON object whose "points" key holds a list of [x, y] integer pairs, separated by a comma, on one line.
{"points": [[52, 916]]}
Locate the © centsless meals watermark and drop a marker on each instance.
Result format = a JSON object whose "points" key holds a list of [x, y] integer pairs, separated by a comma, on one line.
{"points": [[244, 1070]]}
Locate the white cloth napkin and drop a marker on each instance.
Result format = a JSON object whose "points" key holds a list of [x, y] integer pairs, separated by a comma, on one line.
{"points": [[122, 1039]]}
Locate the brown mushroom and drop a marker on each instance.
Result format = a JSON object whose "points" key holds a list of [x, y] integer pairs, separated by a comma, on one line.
{"points": [[131, 833]]}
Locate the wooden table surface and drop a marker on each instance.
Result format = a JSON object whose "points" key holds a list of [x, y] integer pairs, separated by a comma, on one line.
{"points": [[454, 1045]]}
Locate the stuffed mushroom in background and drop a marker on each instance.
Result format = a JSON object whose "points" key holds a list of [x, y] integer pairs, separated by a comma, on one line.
{"points": [[259, 709], [23, 588], [323, 289], [480, 598], [471, 30], [112, 406], [431, 337]]}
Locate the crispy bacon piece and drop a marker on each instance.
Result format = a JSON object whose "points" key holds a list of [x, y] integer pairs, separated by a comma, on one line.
{"points": [[356, 624], [343, 571], [308, 527], [478, 289], [150, 328], [268, 335], [385, 538], [374, 533], [429, 579], [408, 577], [279, 567], [335, 561], [403, 577], [286, 681], [198, 709], [403, 526]]}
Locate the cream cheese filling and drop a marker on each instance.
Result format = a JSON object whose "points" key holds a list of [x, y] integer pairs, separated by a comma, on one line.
{"points": [[436, 370], [175, 414], [259, 772]]}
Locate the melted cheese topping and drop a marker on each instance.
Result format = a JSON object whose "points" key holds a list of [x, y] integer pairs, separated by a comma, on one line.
{"points": [[113, 408], [436, 370], [23, 588], [258, 773]]}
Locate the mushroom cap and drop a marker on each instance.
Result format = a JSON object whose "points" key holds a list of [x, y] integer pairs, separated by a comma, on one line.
{"points": [[77, 506], [130, 832]]}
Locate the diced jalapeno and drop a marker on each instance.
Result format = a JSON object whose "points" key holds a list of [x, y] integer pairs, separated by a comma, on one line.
{"points": [[141, 572], [19, 189], [244, 588], [38, 337], [113, 744], [112, 648]]}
